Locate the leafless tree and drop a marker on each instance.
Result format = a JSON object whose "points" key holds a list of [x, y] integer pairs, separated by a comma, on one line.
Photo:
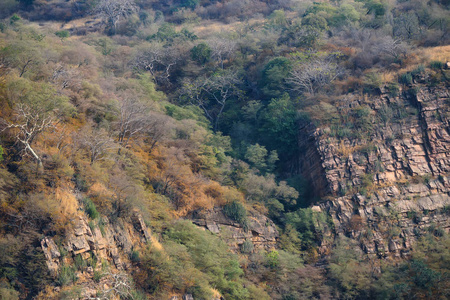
{"points": [[114, 10], [133, 118], [28, 123], [313, 74], [158, 127], [392, 47], [158, 60], [121, 287], [96, 142], [212, 93], [222, 49]]}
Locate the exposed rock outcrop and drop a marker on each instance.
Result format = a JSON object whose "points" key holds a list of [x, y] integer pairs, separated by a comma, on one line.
{"points": [[261, 230], [107, 242], [389, 184]]}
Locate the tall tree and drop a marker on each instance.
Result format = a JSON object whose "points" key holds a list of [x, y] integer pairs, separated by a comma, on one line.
{"points": [[114, 10]]}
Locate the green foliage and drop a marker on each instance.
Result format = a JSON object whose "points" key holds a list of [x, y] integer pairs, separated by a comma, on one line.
{"points": [[419, 70], [192, 251], [436, 64], [405, 78], [189, 3], [277, 19], [394, 89], [247, 247], [201, 53], [258, 158], [348, 270], [62, 34], [14, 19], [279, 129], [167, 33], [66, 275], [72, 293], [273, 79], [134, 256], [309, 227], [272, 259], [90, 208], [236, 212], [7, 292], [79, 262], [372, 83]]}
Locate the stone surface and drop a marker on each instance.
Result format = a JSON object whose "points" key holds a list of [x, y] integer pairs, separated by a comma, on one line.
{"points": [[261, 230], [114, 242], [404, 163]]}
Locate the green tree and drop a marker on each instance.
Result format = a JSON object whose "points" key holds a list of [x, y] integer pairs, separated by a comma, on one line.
{"points": [[62, 34], [273, 79], [201, 53], [279, 126]]}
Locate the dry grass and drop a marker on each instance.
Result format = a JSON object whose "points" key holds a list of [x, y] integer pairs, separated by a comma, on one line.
{"points": [[422, 56], [441, 53]]}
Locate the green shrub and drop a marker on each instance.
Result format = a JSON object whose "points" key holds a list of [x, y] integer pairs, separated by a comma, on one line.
{"points": [[79, 262], [66, 275], [201, 53], [411, 214], [436, 64], [80, 183], [90, 209], [247, 247], [372, 83], [272, 259], [14, 18], [97, 276], [236, 212], [394, 89], [62, 34], [405, 78], [134, 256], [419, 70], [73, 293]]}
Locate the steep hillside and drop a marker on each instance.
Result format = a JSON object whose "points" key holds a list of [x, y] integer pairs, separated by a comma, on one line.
{"points": [[391, 185], [224, 149]]}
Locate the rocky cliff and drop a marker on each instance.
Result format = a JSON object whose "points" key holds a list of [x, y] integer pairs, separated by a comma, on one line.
{"points": [[260, 230], [388, 182], [92, 246]]}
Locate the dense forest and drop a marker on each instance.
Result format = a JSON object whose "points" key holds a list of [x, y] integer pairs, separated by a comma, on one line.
{"points": [[166, 109]]}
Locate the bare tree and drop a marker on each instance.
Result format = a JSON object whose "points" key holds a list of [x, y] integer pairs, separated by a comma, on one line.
{"points": [[96, 142], [114, 10], [313, 74], [222, 49], [392, 47], [28, 123], [158, 127], [158, 60], [121, 287], [133, 118], [212, 93]]}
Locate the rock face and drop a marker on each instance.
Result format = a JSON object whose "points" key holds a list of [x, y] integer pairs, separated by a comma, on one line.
{"points": [[261, 231], [390, 183], [107, 242]]}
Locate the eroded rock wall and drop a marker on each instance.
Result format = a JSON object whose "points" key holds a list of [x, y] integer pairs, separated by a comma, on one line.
{"points": [[390, 185], [261, 231], [109, 243]]}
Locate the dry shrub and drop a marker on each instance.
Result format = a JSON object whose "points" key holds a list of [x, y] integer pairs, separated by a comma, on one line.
{"points": [[101, 196], [345, 150], [355, 223], [441, 53], [349, 84], [66, 200]]}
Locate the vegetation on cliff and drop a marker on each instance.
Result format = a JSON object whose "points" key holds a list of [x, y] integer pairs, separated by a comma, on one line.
{"points": [[171, 107]]}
